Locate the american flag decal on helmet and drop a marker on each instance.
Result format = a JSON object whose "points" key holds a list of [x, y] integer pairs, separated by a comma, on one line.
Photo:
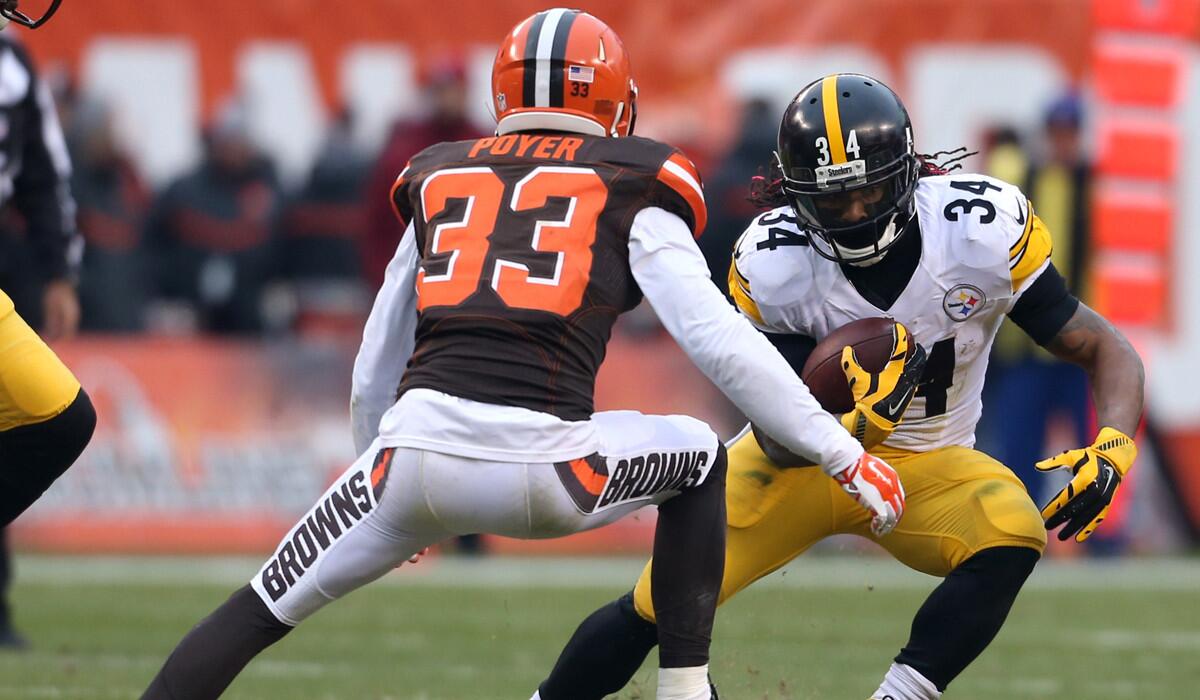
{"points": [[581, 74]]}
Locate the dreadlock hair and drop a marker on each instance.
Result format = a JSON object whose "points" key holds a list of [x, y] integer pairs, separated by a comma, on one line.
{"points": [[766, 188], [930, 165]]}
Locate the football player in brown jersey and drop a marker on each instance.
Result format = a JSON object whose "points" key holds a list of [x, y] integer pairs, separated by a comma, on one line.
{"points": [[472, 403]]}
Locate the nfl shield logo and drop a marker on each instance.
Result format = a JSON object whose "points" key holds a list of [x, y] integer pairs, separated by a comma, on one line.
{"points": [[962, 301]]}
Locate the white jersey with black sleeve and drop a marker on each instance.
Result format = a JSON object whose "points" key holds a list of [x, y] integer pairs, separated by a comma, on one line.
{"points": [[981, 248]]}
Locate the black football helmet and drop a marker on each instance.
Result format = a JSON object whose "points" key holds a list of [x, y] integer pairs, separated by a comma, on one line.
{"points": [[848, 166], [8, 9]]}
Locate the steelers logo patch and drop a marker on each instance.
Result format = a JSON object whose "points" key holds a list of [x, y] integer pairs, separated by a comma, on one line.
{"points": [[963, 301]]}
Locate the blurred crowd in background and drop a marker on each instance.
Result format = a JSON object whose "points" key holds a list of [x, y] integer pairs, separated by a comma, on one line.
{"points": [[225, 250]]}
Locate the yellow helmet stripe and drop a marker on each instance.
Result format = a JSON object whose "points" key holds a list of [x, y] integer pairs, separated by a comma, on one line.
{"points": [[833, 122]]}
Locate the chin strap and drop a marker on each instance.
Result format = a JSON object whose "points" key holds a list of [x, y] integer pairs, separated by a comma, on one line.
{"points": [[890, 233]]}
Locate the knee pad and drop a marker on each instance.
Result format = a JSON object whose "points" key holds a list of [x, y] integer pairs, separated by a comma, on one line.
{"points": [[999, 513], [35, 385], [1007, 516]]}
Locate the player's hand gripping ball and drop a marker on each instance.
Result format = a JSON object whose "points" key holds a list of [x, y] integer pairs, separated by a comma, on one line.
{"points": [[867, 371]]}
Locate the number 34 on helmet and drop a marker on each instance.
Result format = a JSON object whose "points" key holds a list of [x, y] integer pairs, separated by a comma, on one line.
{"points": [[564, 70]]}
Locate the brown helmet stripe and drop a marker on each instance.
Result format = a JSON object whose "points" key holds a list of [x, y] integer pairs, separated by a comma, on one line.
{"points": [[529, 82]]}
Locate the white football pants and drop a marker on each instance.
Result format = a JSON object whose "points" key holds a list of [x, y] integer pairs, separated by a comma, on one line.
{"points": [[395, 501]]}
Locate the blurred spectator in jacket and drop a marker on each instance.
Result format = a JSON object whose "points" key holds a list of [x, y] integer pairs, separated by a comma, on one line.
{"points": [[112, 203], [728, 190], [444, 89], [210, 232], [320, 234], [1028, 390]]}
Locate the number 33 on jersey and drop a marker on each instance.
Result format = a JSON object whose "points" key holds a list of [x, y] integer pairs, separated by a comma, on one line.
{"points": [[981, 248], [530, 231]]}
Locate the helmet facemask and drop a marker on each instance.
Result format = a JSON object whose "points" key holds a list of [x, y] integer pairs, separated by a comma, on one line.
{"points": [[852, 217], [9, 12]]}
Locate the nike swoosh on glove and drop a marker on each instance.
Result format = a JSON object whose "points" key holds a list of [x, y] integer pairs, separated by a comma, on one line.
{"points": [[875, 486], [881, 398], [1097, 472]]}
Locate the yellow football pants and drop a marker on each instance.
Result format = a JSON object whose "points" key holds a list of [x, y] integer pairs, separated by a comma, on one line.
{"points": [[959, 502], [35, 385]]}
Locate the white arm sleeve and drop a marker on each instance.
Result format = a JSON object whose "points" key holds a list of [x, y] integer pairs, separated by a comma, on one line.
{"points": [[388, 339], [672, 273]]}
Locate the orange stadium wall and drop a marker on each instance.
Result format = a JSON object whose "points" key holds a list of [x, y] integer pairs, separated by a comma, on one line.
{"points": [[171, 66], [678, 45], [215, 446]]}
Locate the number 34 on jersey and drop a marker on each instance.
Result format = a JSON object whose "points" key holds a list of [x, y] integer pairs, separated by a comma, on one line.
{"points": [[982, 246]]}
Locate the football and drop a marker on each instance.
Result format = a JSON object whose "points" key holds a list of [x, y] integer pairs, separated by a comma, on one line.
{"points": [[871, 339]]}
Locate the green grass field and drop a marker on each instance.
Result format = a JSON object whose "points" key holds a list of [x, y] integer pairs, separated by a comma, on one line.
{"points": [[453, 630]]}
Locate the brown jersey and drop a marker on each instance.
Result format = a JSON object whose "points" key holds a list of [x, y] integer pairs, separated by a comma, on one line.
{"points": [[524, 259]]}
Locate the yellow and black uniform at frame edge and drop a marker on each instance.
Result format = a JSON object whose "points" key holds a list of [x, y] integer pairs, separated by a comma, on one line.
{"points": [[35, 385]]}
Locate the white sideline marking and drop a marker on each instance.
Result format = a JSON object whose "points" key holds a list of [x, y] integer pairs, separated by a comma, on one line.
{"points": [[1034, 686], [47, 691], [523, 572], [1123, 639], [291, 669]]}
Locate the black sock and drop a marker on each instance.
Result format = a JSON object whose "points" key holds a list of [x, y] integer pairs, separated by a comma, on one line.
{"points": [[5, 580], [211, 655], [603, 654], [963, 614], [33, 456], [689, 563]]}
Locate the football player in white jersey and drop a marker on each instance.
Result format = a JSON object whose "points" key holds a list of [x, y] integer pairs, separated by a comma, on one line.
{"points": [[862, 226]]}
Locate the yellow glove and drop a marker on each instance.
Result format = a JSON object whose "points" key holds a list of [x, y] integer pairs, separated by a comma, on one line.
{"points": [[880, 398], [1098, 471]]}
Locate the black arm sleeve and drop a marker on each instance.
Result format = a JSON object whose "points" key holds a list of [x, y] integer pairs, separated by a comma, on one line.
{"points": [[41, 189], [794, 348], [1045, 307]]}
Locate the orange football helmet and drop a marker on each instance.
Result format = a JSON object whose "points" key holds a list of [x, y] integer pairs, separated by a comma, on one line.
{"points": [[563, 70]]}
